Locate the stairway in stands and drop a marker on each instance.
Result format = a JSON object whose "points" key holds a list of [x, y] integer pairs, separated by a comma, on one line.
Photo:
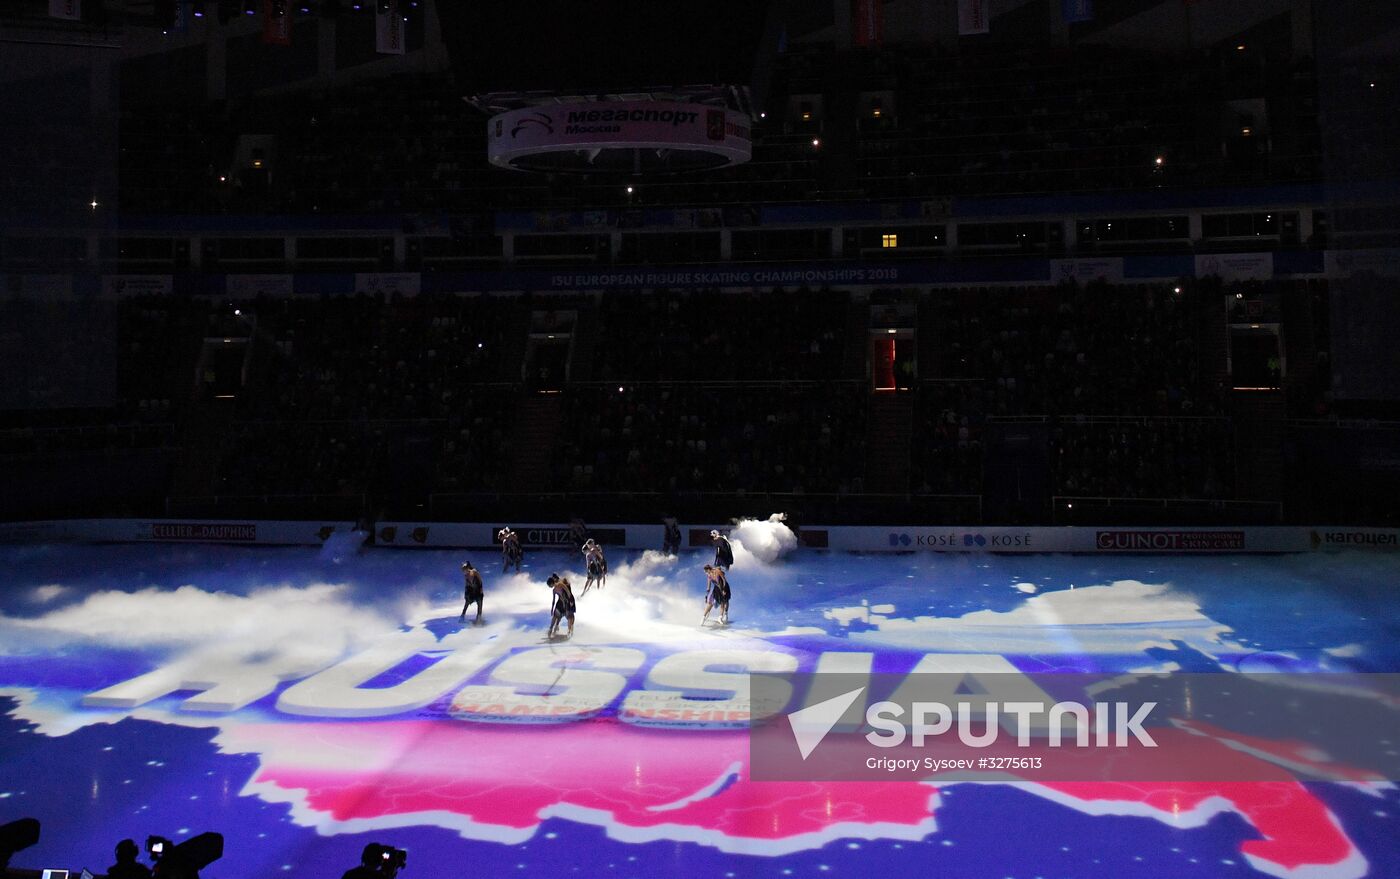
{"points": [[1213, 333], [1299, 342], [1259, 418], [196, 466], [888, 433], [584, 346], [534, 437], [857, 337]]}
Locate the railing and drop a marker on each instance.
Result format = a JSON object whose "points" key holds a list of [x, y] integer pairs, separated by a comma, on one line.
{"points": [[1075, 420], [86, 438], [269, 506], [104, 430], [719, 382], [1069, 510], [1344, 423], [826, 507]]}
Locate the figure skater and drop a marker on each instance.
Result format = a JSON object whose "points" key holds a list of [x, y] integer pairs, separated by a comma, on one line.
{"points": [[511, 553], [578, 532], [716, 594], [474, 593], [671, 536], [596, 565], [724, 553], [563, 606]]}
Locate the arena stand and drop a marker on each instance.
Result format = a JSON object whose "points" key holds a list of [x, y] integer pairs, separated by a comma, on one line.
{"points": [[380, 405], [984, 123], [683, 398]]}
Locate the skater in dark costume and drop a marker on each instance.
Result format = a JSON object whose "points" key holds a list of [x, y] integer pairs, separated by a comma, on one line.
{"points": [[596, 565], [724, 553], [474, 592], [511, 553], [563, 606], [671, 536], [578, 532], [716, 594]]}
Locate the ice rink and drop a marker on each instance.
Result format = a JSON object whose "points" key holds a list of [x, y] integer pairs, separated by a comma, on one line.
{"points": [[304, 705]]}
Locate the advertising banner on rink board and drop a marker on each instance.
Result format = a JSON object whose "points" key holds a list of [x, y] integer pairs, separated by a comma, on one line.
{"points": [[1236, 266], [482, 535], [913, 538], [1158, 540], [397, 283], [249, 532], [478, 536], [430, 534], [1108, 268]]}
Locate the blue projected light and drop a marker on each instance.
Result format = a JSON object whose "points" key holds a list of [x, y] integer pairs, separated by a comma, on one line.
{"points": [[304, 707]]}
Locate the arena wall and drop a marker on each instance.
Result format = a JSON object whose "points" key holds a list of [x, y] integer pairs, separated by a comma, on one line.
{"points": [[910, 538]]}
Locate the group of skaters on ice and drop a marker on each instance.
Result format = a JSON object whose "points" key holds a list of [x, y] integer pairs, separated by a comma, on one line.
{"points": [[563, 604]]}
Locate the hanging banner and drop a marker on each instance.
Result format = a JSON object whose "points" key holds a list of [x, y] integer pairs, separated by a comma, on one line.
{"points": [[868, 22], [68, 10], [1077, 10], [119, 286], [388, 30], [1236, 266], [396, 283], [249, 286], [277, 24], [39, 286], [1084, 270], [1383, 261], [973, 17]]}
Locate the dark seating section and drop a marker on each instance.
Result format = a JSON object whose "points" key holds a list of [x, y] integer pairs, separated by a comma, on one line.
{"points": [[972, 123], [1077, 357], [1143, 457], [776, 438], [1100, 349], [1091, 119], [158, 337], [714, 336], [947, 440], [368, 357], [392, 399], [296, 458]]}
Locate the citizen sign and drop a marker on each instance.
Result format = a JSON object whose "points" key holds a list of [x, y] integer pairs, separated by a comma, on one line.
{"points": [[562, 535]]}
